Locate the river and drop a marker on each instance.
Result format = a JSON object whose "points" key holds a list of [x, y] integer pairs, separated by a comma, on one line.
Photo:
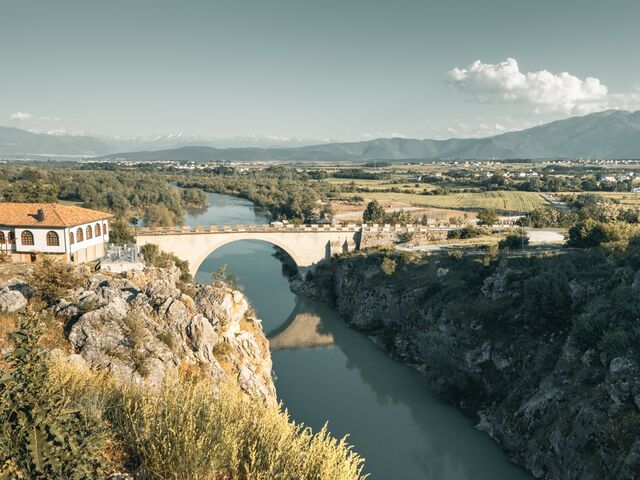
{"points": [[326, 372]]}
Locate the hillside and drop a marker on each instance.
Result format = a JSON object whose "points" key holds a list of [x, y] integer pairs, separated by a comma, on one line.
{"points": [[613, 134], [607, 135], [525, 346]]}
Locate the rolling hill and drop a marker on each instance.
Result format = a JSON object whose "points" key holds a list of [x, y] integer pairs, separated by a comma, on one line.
{"points": [[613, 134]]}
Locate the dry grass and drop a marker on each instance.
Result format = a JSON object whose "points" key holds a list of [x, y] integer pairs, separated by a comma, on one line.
{"points": [[189, 429], [511, 201], [8, 325]]}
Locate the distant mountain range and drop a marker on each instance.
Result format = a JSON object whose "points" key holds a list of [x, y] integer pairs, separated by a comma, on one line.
{"points": [[14, 141], [613, 134]]}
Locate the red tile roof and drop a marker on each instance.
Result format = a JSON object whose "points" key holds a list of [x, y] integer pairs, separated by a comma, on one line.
{"points": [[55, 215]]}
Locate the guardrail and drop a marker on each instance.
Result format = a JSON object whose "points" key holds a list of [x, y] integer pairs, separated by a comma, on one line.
{"points": [[287, 228]]}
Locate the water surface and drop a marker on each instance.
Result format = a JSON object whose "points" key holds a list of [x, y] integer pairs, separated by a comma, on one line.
{"points": [[328, 372]]}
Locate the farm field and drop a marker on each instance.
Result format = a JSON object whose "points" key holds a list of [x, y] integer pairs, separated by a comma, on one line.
{"points": [[625, 198], [505, 201], [383, 184]]}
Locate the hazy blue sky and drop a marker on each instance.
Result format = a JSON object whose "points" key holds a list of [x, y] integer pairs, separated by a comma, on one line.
{"points": [[343, 69]]}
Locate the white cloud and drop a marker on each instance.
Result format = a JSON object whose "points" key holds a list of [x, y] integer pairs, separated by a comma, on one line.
{"points": [[22, 116], [547, 92]]}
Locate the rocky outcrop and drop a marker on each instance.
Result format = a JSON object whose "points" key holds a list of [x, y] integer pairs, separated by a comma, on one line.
{"points": [[140, 326], [14, 294], [11, 300], [559, 412]]}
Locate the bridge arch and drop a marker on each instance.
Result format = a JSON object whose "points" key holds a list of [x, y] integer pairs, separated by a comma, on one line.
{"points": [[197, 262], [305, 247]]}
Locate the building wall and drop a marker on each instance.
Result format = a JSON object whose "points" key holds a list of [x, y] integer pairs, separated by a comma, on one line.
{"points": [[85, 251]]}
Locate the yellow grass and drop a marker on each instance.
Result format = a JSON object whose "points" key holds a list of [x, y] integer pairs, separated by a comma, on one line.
{"points": [[193, 429], [512, 201]]}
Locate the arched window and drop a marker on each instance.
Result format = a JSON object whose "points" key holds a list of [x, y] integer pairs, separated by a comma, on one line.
{"points": [[26, 237], [105, 228], [1, 237], [97, 229], [12, 238], [71, 239], [80, 235], [52, 239], [89, 232]]}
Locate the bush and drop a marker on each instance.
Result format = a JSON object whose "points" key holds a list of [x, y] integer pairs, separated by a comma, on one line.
{"points": [[487, 217], [466, 232], [388, 266], [52, 278], [592, 233], [157, 258], [42, 436], [374, 213], [405, 237], [513, 242], [120, 232]]}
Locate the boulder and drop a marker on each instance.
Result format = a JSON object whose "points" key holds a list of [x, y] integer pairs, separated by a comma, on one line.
{"points": [[11, 300]]}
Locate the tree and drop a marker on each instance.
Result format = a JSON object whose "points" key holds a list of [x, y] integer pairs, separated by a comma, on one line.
{"points": [[120, 232], [513, 242], [591, 233], [158, 216], [374, 213], [194, 197], [487, 217]]}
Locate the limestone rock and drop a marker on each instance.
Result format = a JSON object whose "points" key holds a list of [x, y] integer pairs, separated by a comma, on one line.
{"points": [[11, 300], [140, 327]]}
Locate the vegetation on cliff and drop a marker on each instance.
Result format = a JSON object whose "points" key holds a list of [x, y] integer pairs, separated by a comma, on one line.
{"points": [[128, 374], [543, 349]]}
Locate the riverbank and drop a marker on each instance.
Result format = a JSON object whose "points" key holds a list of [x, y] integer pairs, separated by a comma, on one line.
{"points": [[498, 339], [142, 376]]}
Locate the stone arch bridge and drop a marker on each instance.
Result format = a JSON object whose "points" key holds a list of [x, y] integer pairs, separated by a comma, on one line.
{"points": [[306, 244]]}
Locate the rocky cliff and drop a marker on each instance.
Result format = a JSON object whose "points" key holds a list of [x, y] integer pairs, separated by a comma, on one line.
{"points": [[140, 326], [495, 339]]}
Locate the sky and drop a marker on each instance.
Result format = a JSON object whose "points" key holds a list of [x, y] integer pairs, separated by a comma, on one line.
{"points": [[320, 69]]}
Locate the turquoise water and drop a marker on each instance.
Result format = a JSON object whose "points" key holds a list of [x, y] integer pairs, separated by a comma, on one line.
{"points": [[327, 372]]}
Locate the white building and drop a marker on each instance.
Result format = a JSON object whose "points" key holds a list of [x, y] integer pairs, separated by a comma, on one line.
{"points": [[30, 230]]}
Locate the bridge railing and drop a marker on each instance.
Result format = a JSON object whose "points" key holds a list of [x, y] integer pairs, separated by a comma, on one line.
{"points": [[290, 227]]}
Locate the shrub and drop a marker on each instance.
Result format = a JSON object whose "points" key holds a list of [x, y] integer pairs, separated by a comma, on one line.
{"points": [[487, 217], [120, 232], [405, 237], [221, 275], [51, 279], [388, 266], [374, 213], [592, 233], [157, 258], [466, 232], [513, 242], [41, 435]]}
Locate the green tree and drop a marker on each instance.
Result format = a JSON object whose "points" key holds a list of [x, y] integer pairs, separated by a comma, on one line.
{"points": [[158, 216], [121, 232], [514, 242], [487, 217], [374, 213]]}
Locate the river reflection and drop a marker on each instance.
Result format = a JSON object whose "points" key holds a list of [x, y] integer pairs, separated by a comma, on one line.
{"points": [[327, 372]]}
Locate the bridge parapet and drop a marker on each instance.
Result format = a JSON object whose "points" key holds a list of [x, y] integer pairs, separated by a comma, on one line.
{"points": [[288, 228]]}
